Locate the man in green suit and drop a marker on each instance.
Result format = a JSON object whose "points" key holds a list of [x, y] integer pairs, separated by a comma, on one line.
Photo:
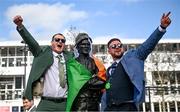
{"points": [[46, 65]]}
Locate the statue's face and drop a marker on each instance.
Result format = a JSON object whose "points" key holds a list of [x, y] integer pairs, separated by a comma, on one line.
{"points": [[84, 47]]}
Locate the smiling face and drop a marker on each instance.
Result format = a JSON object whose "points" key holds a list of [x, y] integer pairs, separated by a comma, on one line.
{"points": [[58, 43], [115, 49]]}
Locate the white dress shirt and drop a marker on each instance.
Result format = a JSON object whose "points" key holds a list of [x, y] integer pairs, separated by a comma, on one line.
{"points": [[52, 86]]}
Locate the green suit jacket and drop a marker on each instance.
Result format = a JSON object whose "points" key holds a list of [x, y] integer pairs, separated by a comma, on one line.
{"points": [[43, 59]]}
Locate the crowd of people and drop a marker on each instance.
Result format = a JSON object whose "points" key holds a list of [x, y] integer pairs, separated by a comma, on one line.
{"points": [[78, 81]]}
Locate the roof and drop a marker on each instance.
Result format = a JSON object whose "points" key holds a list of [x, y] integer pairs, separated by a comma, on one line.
{"points": [[95, 41]]}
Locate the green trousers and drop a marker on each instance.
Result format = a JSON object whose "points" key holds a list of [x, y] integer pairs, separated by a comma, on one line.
{"points": [[51, 106]]}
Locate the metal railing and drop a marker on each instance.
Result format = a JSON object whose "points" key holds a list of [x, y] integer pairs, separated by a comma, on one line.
{"points": [[165, 98]]}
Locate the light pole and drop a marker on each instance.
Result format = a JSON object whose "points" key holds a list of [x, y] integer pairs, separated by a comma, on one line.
{"points": [[25, 60]]}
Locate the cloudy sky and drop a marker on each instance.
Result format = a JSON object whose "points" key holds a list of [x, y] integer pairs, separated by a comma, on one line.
{"points": [[101, 19]]}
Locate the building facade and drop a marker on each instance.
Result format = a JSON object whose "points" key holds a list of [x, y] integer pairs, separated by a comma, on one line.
{"points": [[162, 72]]}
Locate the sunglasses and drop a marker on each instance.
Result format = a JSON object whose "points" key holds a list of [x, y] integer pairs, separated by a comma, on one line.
{"points": [[59, 40], [115, 46]]}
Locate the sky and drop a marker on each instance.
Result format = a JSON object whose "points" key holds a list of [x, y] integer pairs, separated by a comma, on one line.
{"points": [[101, 19]]}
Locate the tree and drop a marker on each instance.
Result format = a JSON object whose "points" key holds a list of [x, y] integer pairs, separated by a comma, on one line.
{"points": [[70, 35]]}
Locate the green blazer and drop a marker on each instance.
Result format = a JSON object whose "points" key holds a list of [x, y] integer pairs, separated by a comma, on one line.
{"points": [[43, 59]]}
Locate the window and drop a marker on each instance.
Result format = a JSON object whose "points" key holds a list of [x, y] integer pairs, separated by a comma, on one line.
{"points": [[178, 104], [11, 51], [132, 46], [6, 86], [18, 82], [19, 61], [156, 107], [19, 51], [178, 77], [3, 51], [9, 94], [11, 60], [9, 86], [102, 48], [2, 86], [95, 49], [4, 62], [172, 106]]}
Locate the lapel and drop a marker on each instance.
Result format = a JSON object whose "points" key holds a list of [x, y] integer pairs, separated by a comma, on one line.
{"points": [[107, 73]]}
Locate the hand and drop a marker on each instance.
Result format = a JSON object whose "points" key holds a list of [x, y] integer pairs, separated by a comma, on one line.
{"points": [[96, 83], [165, 20], [18, 20]]}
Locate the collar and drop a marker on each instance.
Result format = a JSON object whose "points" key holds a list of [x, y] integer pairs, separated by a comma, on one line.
{"points": [[118, 60], [56, 54], [31, 108]]}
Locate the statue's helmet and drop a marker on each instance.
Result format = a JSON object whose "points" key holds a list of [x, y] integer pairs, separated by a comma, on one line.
{"points": [[82, 36]]}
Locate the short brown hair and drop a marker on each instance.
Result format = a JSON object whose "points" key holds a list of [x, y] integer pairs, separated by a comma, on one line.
{"points": [[113, 39]]}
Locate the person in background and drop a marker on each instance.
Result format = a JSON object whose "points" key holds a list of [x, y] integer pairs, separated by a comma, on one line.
{"points": [[49, 63], [125, 87], [28, 105], [89, 77]]}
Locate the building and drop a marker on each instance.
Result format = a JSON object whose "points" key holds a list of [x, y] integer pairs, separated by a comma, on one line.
{"points": [[162, 69]]}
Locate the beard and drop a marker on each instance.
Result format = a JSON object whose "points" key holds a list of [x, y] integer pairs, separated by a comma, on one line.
{"points": [[118, 55]]}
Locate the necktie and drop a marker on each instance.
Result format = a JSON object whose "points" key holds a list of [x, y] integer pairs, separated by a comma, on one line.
{"points": [[61, 71], [113, 67]]}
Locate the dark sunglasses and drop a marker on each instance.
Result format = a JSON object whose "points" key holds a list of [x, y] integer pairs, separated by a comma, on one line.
{"points": [[59, 40], [115, 46]]}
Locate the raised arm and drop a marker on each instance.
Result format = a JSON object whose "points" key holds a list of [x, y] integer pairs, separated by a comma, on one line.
{"points": [[148, 46], [27, 37]]}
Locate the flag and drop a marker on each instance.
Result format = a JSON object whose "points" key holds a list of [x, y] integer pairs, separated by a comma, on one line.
{"points": [[77, 75], [101, 68]]}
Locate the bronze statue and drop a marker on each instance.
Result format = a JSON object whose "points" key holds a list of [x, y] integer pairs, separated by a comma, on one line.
{"points": [[88, 98]]}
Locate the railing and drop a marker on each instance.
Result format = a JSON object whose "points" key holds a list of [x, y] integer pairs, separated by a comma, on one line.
{"points": [[163, 99], [155, 98]]}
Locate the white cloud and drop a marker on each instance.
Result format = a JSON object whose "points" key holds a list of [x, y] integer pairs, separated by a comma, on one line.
{"points": [[45, 19]]}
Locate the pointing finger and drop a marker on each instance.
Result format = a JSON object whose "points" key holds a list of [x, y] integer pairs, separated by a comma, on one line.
{"points": [[168, 14]]}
